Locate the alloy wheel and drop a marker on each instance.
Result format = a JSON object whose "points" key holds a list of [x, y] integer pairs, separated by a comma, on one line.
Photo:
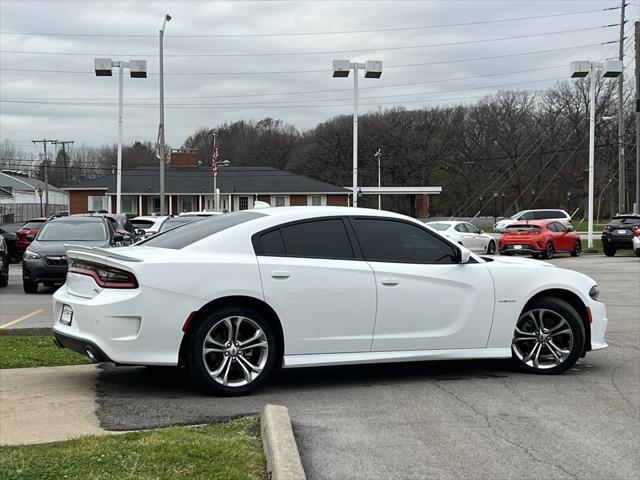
{"points": [[543, 339], [235, 351]]}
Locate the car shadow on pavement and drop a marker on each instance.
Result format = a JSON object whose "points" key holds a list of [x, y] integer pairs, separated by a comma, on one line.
{"points": [[149, 397]]}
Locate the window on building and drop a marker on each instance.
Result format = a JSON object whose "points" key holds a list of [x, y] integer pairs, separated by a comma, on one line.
{"points": [[129, 204], [280, 201], [153, 204], [316, 200], [96, 203], [243, 203]]}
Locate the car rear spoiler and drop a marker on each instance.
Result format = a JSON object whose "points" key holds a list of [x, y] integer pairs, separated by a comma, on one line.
{"points": [[99, 252]]}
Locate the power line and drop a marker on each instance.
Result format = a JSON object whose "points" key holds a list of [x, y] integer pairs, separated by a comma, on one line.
{"points": [[289, 72], [282, 103], [322, 52], [428, 82], [343, 32]]}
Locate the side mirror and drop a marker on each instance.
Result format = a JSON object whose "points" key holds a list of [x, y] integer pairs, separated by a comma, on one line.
{"points": [[465, 255], [140, 232], [481, 232], [118, 238], [30, 237]]}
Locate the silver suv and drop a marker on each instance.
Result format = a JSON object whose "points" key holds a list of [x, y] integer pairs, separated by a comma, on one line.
{"points": [[540, 214]]}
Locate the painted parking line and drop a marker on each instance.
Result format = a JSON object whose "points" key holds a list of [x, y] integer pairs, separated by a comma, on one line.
{"points": [[20, 319]]}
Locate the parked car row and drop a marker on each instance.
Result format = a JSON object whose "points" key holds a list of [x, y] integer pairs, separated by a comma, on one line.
{"points": [[621, 232]]}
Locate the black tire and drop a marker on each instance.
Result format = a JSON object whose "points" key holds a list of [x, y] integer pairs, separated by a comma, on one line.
{"points": [[555, 308], [637, 251], [29, 286], [548, 251], [577, 250], [536, 256], [195, 358], [491, 248], [609, 251]]}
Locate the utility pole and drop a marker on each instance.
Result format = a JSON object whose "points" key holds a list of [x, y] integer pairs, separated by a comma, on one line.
{"points": [[64, 158], [621, 164], [637, 35], [44, 142]]}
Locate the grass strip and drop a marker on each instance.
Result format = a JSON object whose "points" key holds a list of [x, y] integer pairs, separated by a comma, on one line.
{"points": [[35, 351], [226, 451]]}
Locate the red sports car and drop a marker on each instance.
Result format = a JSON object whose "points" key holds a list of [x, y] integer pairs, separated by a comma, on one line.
{"points": [[540, 239], [27, 233]]}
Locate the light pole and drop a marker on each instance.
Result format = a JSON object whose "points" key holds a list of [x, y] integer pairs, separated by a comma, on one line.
{"points": [[215, 175], [610, 69], [40, 195], [341, 69], [161, 126], [378, 154], [137, 69]]}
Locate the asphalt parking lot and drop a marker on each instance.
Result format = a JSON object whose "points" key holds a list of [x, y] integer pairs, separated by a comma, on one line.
{"points": [[19, 310], [455, 420]]}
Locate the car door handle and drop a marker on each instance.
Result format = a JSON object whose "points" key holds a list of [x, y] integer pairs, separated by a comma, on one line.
{"points": [[280, 274], [390, 281]]}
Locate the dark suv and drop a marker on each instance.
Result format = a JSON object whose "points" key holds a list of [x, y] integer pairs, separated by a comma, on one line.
{"points": [[121, 224], [618, 233], [45, 261]]}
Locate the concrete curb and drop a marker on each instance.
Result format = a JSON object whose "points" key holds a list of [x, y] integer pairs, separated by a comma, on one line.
{"points": [[44, 331], [283, 458]]}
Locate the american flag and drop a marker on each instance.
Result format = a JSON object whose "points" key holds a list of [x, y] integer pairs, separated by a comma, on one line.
{"points": [[214, 163]]}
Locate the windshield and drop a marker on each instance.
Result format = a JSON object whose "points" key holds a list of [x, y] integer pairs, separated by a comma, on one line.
{"points": [[625, 220], [181, 237], [439, 226], [89, 231]]}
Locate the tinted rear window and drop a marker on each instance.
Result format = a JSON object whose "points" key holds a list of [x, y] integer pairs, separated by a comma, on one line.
{"points": [[522, 228], [142, 223], [181, 237], [317, 239], [625, 220]]}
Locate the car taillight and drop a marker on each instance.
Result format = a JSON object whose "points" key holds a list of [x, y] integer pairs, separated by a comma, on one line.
{"points": [[637, 232], [106, 277]]}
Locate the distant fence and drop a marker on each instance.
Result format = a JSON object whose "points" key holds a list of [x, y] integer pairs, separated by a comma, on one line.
{"points": [[21, 212]]}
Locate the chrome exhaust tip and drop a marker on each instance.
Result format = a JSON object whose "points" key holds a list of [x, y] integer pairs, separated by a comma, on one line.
{"points": [[91, 356]]}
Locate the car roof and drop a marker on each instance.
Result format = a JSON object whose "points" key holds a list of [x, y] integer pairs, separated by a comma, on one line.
{"points": [[150, 217], [538, 223]]}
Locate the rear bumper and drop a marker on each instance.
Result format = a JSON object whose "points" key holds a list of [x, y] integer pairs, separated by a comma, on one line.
{"points": [[527, 249], [622, 241], [140, 326], [83, 347]]}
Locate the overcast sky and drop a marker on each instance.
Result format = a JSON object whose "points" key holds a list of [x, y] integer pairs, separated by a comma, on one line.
{"points": [[223, 80]]}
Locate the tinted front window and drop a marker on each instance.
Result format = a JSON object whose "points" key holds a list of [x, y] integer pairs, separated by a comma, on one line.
{"points": [[66, 231], [552, 227], [317, 239], [182, 237], [392, 241]]}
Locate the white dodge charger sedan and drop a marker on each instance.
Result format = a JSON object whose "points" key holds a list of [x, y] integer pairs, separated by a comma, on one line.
{"points": [[466, 234], [234, 296]]}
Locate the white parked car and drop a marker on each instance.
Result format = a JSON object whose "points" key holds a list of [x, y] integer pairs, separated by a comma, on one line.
{"points": [[466, 234], [635, 242], [150, 224], [235, 296], [540, 214], [201, 213]]}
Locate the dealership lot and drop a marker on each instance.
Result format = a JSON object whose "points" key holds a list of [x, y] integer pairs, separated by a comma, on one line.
{"points": [[467, 419]]}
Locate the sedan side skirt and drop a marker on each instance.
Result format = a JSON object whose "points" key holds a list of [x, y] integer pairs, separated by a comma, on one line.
{"points": [[327, 359]]}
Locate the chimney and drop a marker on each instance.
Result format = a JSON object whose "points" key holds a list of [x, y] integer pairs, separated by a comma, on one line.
{"points": [[184, 157]]}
